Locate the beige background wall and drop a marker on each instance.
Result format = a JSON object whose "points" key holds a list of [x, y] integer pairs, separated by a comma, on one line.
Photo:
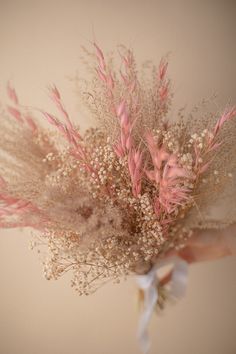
{"points": [[40, 44]]}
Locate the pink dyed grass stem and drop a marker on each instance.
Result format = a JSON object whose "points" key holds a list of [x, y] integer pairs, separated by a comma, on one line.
{"points": [[103, 73], [20, 209], [67, 128], [166, 175], [17, 111], [125, 142], [135, 162], [212, 143]]}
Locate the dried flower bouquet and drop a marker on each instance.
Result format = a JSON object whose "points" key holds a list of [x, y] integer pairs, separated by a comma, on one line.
{"points": [[126, 193]]}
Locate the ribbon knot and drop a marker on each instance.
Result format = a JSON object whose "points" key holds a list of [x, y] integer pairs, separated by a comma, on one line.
{"points": [[149, 284]]}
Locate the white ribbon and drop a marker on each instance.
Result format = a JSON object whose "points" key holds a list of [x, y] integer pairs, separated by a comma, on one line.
{"points": [[149, 284]]}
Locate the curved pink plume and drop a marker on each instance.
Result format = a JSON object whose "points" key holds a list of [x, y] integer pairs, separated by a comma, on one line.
{"points": [[15, 113], [162, 69], [12, 94], [100, 57]]}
